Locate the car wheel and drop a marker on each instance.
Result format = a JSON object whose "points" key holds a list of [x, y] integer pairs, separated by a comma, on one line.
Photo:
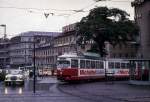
{"points": [[22, 83], [7, 83]]}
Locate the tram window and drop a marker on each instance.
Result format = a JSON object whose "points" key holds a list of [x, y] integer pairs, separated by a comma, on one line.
{"points": [[111, 65], [139, 65], [133, 65], [142, 65], [88, 64], [63, 64], [117, 65], [82, 63], [101, 65], [74, 63], [97, 65], [128, 65], [123, 65], [92, 64]]}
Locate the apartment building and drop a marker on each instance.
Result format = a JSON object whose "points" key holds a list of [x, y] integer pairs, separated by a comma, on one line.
{"points": [[21, 47], [46, 55], [142, 18], [4, 53], [129, 50]]}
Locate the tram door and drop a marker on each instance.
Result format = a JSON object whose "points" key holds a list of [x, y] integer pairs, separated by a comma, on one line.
{"points": [[141, 70]]}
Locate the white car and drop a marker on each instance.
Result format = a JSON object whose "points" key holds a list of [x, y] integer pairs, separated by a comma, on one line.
{"points": [[14, 77]]}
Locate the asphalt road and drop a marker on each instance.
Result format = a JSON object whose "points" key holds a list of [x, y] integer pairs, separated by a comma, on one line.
{"points": [[50, 90]]}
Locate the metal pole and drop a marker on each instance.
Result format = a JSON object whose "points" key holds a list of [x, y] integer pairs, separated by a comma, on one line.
{"points": [[34, 88], [130, 69], [25, 58], [106, 78], [149, 70]]}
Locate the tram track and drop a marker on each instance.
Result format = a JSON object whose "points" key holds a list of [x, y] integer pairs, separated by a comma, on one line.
{"points": [[86, 95], [74, 95]]}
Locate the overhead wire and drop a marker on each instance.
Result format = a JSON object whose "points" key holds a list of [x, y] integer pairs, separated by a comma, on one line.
{"points": [[53, 10], [97, 1], [61, 12]]}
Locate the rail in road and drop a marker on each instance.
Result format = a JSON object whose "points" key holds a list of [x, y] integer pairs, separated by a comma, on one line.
{"points": [[81, 91], [76, 90], [72, 89]]}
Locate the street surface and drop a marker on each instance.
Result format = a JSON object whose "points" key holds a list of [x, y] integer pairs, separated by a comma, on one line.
{"points": [[50, 90]]}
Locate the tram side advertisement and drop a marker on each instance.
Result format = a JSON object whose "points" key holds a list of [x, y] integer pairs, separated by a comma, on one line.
{"points": [[91, 72]]}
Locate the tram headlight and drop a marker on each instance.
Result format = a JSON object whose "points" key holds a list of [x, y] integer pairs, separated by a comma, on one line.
{"points": [[20, 78], [7, 78]]}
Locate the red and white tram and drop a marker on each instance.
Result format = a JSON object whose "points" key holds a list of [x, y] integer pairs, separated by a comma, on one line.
{"points": [[88, 66]]}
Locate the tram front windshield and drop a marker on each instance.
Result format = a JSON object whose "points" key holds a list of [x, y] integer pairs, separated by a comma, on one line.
{"points": [[63, 64]]}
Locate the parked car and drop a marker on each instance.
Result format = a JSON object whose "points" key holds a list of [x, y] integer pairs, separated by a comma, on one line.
{"points": [[14, 77]]}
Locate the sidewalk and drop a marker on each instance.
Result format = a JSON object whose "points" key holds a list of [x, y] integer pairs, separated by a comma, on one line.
{"points": [[47, 80]]}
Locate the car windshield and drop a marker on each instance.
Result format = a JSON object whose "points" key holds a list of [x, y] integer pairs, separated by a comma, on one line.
{"points": [[14, 72], [63, 64]]}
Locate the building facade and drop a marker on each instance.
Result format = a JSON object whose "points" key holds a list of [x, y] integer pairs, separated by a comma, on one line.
{"points": [[4, 53], [22, 46], [142, 17], [124, 51], [46, 55]]}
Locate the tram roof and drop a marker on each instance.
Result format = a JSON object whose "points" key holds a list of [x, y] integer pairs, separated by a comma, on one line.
{"points": [[81, 55], [95, 56], [71, 55]]}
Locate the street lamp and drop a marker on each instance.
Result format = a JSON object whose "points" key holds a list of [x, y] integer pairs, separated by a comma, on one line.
{"points": [[35, 41], [34, 71], [4, 25]]}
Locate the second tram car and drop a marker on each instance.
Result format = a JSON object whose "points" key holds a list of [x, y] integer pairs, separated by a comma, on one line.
{"points": [[88, 66]]}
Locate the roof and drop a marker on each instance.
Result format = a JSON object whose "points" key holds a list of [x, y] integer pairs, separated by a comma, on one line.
{"points": [[71, 33], [39, 33]]}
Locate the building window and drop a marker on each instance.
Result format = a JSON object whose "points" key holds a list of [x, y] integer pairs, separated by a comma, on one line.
{"points": [[114, 55], [138, 15], [120, 55], [126, 55]]}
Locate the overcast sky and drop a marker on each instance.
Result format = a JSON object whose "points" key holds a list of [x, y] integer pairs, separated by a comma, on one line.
{"points": [[28, 15]]}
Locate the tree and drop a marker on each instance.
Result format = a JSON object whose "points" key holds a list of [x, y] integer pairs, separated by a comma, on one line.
{"points": [[105, 25]]}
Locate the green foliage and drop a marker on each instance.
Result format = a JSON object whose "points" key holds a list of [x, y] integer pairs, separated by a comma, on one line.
{"points": [[105, 25]]}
